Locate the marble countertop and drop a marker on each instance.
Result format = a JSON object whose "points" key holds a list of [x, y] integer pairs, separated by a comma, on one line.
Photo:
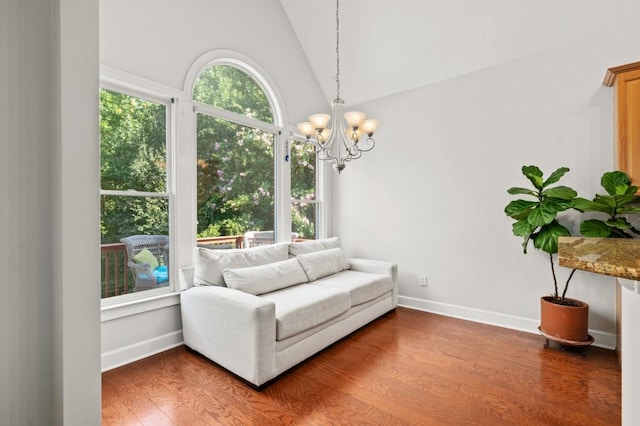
{"points": [[618, 257]]}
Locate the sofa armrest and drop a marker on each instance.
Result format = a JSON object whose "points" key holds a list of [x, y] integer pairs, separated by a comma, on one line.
{"points": [[373, 266], [185, 277], [378, 267], [234, 329]]}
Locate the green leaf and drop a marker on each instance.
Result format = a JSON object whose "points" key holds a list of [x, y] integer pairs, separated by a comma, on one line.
{"points": [[623, 199], [618, 223], [606, 201], [517, 190], [615, 183], [594, 228], [557, 204], [534, 174], [562, 192], [547, 239], [541, 216], [585, 205], [523, 228], [555, 176], [519, 209], [629, 210]]}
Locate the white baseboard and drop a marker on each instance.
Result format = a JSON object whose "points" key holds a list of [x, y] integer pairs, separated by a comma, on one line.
{"points": [[602, 339], [140, 350]]}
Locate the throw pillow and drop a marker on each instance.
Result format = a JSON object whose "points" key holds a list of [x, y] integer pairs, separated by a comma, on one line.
{"points": [[209, 264], [145, 256], [311, 246], [265, 278], [323, 263]]}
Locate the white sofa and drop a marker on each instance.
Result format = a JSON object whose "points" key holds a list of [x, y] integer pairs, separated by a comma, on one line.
{"points": [[258, 312]]}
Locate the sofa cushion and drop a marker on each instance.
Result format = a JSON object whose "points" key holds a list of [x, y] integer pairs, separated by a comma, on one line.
{"points": [[209, 264], [265, 278], [322, 263], [311, 246], [304, 306], [362, 286]]}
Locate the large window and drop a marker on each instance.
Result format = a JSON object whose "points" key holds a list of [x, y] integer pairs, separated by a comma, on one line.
{"points": [[235, 178], [135, 193], [236, 168]]}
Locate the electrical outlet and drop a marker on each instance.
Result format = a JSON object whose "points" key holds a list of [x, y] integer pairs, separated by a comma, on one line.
{"points": [[423, 280]]}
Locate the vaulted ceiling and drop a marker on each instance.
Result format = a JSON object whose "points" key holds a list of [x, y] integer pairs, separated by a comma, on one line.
{"points": [[389, 46]]}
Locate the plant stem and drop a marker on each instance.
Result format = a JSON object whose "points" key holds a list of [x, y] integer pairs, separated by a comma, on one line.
{"points": [[566, 286], [555, 281]]}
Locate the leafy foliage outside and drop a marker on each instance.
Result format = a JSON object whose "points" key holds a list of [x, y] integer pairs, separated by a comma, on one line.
{"points": [[303, 190], [235, 178], [235, 165], [228, 88], [132, 157]]}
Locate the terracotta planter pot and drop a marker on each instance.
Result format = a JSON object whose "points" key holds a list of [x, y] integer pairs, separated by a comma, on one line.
{"points": [[564, 322]]}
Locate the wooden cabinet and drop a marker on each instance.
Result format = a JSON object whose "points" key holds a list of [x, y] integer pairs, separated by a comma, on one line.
{"points": [[626, 81]]}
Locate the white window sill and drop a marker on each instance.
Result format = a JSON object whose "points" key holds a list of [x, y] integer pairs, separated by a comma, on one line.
{"points": [[133, 307]]}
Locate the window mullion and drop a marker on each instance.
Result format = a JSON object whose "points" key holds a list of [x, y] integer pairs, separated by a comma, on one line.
{"points": [[243, 120], [134, 193]]}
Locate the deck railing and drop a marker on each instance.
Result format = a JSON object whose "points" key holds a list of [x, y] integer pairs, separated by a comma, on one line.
{"points": [[118, 279]]}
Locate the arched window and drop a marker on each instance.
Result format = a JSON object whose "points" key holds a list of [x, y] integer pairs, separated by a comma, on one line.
{"points": [[236, 140], [229, 88]]}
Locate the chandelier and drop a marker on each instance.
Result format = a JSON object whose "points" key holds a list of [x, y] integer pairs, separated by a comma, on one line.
{"points": [[340, 143]]}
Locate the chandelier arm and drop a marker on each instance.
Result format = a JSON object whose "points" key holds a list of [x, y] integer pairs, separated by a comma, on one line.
{"points": [[352, 156], [325, 156], [369, 141], [352, 151]]}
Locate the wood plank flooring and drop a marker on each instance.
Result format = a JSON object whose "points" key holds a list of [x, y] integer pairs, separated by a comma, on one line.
{"points": [[406, 368]]}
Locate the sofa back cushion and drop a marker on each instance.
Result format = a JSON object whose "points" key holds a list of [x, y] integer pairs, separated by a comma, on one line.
{"points": [[265, 278], [210, 264], [323, 263], [312, 246]]}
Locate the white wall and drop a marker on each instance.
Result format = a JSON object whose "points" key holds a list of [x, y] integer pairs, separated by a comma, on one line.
{"points": [[159, 41], [25, 170], [49, 324], [431, 195]]}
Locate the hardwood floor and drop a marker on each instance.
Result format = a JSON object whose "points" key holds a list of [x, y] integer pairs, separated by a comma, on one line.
{"points": [[408, 367]]}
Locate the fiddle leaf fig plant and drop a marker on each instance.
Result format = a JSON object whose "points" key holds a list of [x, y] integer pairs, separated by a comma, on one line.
{"points": [[536, 218], [620, 199]]}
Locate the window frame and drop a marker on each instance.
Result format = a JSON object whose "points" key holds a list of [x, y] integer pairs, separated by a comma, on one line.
{"points": [[239, 119], [318, 181], [110, 305], [283, 136], [181, 156]]}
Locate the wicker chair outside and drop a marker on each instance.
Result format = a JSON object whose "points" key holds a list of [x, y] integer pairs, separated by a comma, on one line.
{"points": [[158, 245], [262, 238]]}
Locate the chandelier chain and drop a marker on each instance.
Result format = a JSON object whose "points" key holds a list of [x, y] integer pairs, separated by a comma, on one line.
{"points": [[337, 49]]}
